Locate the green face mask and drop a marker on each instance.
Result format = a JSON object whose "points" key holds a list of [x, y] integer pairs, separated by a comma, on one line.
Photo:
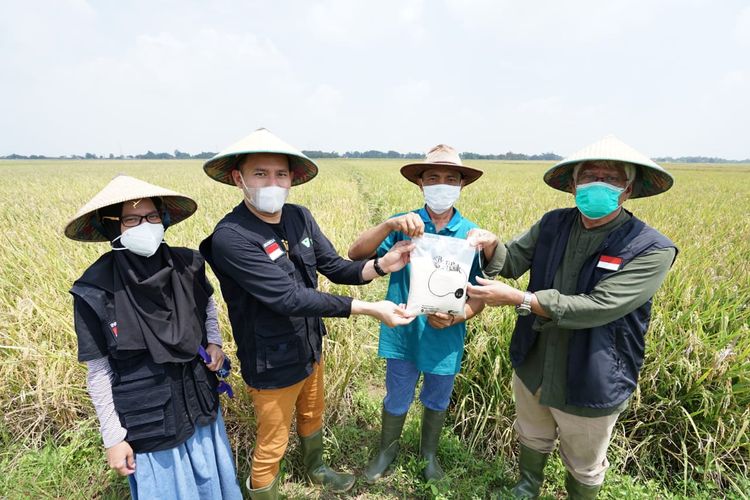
{"points": [[597, 199]]}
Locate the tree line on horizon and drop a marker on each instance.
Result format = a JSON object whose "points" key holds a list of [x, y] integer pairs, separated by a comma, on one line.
{"points": [[372, 153]]}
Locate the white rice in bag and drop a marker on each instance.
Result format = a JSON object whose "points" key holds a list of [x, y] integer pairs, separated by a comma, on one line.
{"points": [[439, 273]]}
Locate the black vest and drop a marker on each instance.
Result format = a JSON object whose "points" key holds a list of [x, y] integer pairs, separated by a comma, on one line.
{"points": [[604, 361], [275, 350], [159, 405]]}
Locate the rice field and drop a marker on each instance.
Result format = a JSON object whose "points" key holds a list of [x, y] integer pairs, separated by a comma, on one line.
{"points": [[686, 432]]}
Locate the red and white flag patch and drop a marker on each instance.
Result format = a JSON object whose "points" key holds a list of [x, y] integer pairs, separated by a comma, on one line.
{"points": [[273, 249], [113, 327], [609, 263]]}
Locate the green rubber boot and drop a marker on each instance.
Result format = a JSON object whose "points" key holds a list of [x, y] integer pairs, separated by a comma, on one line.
{"points": [[580, 491], [318, 472], [390, 433], [432, 424], [270, 492], [531, 471]]}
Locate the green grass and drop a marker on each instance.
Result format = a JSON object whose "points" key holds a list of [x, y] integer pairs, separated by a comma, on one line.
{"points": [[685, 434]]}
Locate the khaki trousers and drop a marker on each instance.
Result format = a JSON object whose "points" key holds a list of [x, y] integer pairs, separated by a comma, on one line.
{"points": [[583, 440], [273, 413]]}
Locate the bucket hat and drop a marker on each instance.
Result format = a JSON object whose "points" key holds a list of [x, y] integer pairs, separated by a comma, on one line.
{"points": [[84, 226], [220, 166], [650, 179], [440, 156]]}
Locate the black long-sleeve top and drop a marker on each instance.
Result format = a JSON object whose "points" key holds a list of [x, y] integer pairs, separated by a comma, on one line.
{"points": [[268, 277]]}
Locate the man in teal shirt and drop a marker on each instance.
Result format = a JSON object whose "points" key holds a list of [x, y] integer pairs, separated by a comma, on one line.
{"points": [[431, 345]]}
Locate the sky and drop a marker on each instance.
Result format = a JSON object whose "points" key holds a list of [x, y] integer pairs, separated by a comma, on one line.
{"points": [[668, 77]]}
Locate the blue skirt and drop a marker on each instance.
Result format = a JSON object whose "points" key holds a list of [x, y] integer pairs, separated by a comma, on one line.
{"points": [[202, 467]]}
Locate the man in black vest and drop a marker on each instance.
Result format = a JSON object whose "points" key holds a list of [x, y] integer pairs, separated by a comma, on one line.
{"points": [[267, 254], [579, 340]]}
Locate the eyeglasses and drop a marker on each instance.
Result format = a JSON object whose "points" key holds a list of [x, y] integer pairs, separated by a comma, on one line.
{"points": [[135, 220], [587, 177]]}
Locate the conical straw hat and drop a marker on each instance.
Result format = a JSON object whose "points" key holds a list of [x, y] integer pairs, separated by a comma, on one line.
{"points": [[651, 179], [83, 226], [441, 156], [261, 141]]}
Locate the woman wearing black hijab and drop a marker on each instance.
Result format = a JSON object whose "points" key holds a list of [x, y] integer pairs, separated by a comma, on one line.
{"points": [[143, 313]]}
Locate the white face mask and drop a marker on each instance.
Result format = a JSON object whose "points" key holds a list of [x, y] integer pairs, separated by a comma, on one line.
{"points": [[441, 197], [143, 239], [269, 199]]}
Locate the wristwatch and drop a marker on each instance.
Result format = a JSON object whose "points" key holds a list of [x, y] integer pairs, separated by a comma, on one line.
{"points": [[524, 308]]}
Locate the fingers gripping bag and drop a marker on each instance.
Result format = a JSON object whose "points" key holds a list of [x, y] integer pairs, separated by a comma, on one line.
{"points": [[439, 273]]}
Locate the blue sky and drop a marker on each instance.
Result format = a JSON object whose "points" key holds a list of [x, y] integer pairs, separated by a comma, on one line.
{"points": [[669, 77]]}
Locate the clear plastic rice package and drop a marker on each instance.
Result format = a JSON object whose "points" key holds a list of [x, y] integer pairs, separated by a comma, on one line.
{"points": [[439, 273]]}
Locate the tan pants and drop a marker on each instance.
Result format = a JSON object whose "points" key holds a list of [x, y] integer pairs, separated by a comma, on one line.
{"points": [[583, 440], [273, 413]]}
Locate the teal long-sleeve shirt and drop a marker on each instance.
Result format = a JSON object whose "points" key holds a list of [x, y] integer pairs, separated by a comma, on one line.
{"points": [[614, 296]]}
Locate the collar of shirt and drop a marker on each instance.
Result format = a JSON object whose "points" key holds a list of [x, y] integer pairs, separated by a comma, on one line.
{"points": [[452, 225]]}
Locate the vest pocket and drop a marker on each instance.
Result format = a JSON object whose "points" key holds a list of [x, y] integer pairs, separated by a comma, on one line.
{"points": [[205, 387], [311, 266], [282, 352], [146, 414]]}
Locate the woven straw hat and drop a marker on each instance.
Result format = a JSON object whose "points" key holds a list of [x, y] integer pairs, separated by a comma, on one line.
{"points": [[650, 179], [83, 226], [220, 166], [440, 156]]}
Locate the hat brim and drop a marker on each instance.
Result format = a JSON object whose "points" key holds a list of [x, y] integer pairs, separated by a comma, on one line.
{"points": [[83, 227], [414, 171], [220, 168], [649, 181]]}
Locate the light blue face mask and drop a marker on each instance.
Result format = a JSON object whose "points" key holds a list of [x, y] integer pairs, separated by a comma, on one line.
{"points": [[597, 199]]}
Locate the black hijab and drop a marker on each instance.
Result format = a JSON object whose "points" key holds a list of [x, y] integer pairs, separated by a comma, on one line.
{"points": [[159, 301]]}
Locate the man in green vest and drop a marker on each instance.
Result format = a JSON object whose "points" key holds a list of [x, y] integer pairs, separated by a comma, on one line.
{"points": [[579, 340]]}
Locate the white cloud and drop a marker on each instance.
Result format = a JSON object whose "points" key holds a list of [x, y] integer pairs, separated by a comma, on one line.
{"points": [[742, 28], [482, 75], [551, 105], [410, 95], [324, 103], [551, 22], [360, 22]]}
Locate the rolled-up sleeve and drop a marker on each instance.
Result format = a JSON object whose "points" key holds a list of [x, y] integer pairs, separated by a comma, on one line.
{"points": [[613, 297], [254, 271]]}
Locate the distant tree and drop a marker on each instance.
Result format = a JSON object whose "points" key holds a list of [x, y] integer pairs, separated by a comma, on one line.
{"points": [[321, 154], [373, 153], [150, 155], [180, 155]]}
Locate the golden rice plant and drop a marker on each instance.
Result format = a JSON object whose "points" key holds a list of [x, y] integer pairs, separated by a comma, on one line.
{"points": [[688, 421]]}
